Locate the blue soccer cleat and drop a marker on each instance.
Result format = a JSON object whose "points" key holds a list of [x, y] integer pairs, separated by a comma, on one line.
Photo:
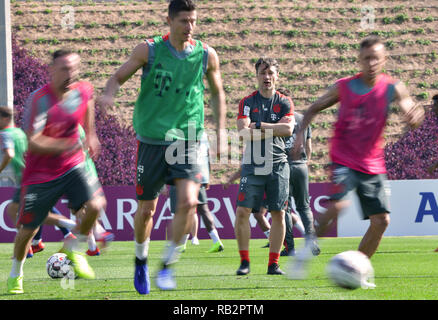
{"points": [[141, 277], [165, 279]]}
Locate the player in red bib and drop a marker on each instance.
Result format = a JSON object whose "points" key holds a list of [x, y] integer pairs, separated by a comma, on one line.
{"points": [[54, 162], [356, 148]]}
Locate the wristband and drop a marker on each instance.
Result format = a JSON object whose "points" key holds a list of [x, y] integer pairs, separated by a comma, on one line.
{"points": [[258, 124]]}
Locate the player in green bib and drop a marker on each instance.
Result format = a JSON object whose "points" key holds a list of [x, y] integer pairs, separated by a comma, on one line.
{"points": [[13, 145], [169, 120]]}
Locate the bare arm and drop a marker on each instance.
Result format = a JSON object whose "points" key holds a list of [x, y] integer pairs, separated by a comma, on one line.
{"points": [[327, 100], [138, 59], [41, 144], [282, 128], [231, 179], [214, 79], [8, 155], [93, 143], [414, 114], [309, 148]]}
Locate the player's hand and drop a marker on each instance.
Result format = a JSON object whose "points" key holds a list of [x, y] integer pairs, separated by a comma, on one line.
{"points": [[296, 150], [93, 146], [286, 119], [107, 102], [220, 148], [415, 117]]}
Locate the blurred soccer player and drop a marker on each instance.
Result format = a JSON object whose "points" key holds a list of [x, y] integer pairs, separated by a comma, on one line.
{"points": [[356, 149], [168, 119], [54, 161]]}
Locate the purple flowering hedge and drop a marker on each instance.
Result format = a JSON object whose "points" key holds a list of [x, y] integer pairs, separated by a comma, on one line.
{"points": [[412, 154], [116, 164]]}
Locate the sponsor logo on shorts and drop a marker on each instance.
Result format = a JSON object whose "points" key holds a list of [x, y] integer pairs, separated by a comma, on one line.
{"points": [[139, 190]]}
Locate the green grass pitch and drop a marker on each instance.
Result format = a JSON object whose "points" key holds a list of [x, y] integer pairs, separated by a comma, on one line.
{"points": [[406, 268]]}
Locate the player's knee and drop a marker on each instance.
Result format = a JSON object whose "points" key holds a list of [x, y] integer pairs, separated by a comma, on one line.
{"points": [[380, 221], [242, 213], [187, 204], [96, 205]]}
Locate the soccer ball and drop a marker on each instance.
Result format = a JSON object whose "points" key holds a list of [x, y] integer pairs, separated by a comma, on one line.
{"points": [[351, 270], [59, 266]]}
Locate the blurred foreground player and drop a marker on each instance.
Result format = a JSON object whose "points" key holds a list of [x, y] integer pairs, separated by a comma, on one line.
{"points": [[55, 161], [356, 148]]}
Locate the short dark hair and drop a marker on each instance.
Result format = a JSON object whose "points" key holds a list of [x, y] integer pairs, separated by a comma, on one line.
{"points": [[176, 6], [270, 62], [61, 53], [370, 41], [435, 97]]}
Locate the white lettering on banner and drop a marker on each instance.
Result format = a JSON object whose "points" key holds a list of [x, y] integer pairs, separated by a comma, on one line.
{"points": [[128, 214], [428, 206], [317, 205], [161, 216], [104, 220], [3, 224], [230, 210]]}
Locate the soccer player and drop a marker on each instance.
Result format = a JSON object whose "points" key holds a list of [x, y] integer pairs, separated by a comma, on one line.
{"points": [[170, 107], [356, 149], [54, 161], [13, 145], [264, 118], [299, 188]]}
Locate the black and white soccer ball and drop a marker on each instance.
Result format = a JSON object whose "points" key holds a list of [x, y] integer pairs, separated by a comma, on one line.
{"points": [[351, 270], [59, 266]]}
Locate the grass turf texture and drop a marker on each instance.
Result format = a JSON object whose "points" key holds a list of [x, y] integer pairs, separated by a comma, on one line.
{"points": [[406, 268]]}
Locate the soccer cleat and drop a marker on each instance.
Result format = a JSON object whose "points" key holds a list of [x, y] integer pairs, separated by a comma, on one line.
{"points": [[298, 265], [195, 241], [39, 247], [313, 243], [15, 285], [165, 279], [141, 277], [182, 248], [285, 252], [216, 247], [106, 238], [266, 245], [274, 269], [243, 269], [80, 265], [93, 253], [29, 253]]}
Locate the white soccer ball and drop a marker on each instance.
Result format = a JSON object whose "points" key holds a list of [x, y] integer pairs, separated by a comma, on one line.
{"points": [[59, 266], [351, 270]]}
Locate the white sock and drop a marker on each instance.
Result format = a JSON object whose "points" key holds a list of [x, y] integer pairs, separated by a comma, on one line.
{"points": [[91, 242], [267, 233], [67, 223], [142, 249], [73, 244], [300, 226], [184, 239], [171, 253], [214, 235], [98, 230], [17, 268]]}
